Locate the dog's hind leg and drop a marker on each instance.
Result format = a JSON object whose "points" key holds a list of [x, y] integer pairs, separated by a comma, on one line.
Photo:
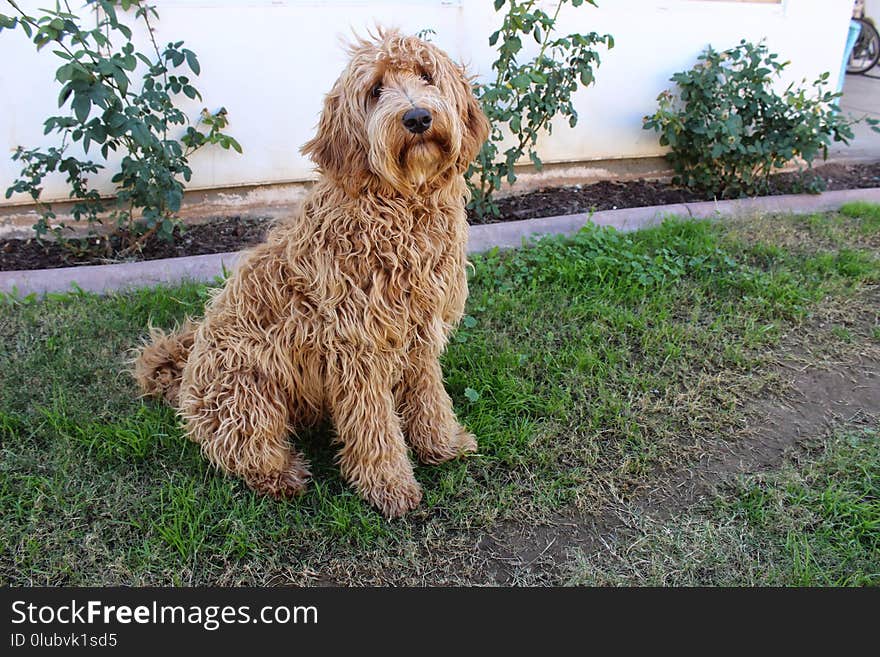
{"points": [[373, 457], [240, 417], [159, 363], [429, 420]]}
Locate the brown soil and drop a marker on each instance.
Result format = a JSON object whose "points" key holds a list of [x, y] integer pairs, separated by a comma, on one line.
{"points": [[612, 195], [234, 233], [215, 236]]}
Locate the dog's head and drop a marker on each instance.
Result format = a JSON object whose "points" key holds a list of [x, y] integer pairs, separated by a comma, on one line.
{"points": [[402, 114]]}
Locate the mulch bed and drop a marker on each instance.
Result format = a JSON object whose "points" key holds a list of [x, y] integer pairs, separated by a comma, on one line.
{"points": [[234, 233], [216, 236]]}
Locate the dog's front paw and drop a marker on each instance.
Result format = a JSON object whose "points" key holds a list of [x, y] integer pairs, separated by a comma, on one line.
{"points": [[284, 484], [395, 498], [465, 442], [459, 442]]}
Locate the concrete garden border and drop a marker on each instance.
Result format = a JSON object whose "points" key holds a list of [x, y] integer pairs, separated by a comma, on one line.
{"points": [[106, 278]]}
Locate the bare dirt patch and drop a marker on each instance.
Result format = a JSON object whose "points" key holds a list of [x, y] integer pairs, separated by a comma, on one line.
{"points": [[818, 385], [819, 401]]}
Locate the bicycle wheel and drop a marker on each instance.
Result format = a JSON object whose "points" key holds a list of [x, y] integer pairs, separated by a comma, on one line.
{"points": [[866, 52]]}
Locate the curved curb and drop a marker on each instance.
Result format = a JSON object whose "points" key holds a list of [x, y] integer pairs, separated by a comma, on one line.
{"points": [[106, 278], [511, 234]]}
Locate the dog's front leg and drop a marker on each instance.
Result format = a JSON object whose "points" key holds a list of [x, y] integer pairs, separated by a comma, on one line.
{"points": [[373, 457], [430, 423]]}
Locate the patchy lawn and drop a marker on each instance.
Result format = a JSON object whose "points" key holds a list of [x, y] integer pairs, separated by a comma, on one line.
{"points": [[618, 384], [816, 522]]}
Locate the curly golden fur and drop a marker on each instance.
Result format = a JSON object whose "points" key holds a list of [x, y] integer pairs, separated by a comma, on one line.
{"points": [[344, 309]]}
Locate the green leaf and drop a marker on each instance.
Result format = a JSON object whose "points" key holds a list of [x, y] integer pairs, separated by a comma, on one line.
{"points": [[515, 124], [537, 78], [121, 81], [65, 72], [521, 81], [192, 61], [81, 107], [512, 45], [536, 160], [64, 94], [7, 22], [471, 394]]}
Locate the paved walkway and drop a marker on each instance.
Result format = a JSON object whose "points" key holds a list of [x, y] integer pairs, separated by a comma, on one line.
{"points": [[861, 96]]}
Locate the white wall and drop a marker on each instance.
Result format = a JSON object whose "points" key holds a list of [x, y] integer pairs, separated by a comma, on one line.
{"points": [[269, 62]]}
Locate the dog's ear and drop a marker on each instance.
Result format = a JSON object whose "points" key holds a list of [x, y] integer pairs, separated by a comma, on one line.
{"points": [[476, 125], [337, 148]]}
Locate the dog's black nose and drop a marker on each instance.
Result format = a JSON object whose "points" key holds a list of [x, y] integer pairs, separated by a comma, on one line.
{"points": [[417, 120]]}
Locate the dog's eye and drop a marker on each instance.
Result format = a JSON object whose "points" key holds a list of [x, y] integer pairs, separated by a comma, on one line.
{"points": [[427, 78], [376, 91]]}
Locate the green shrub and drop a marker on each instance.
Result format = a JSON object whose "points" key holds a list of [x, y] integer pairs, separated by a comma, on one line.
{"points": [[728, 129], [104, 110], [524, 98]]}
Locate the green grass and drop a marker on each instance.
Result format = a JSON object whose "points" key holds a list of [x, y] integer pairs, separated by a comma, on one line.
{"points": [[867, 214], [817, 525], [584, 366]]}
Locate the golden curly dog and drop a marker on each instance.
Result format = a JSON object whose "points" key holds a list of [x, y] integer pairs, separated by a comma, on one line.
{"points": [[345, 309]]}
